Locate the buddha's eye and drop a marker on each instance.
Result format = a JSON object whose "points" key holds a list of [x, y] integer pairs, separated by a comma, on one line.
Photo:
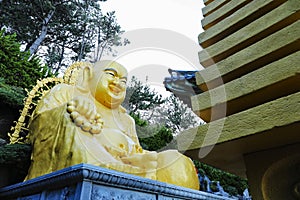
{"points": [[111, 74], [123, 81]]}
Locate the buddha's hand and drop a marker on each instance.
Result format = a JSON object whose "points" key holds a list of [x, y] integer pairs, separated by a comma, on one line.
{"points": [[84, 114], [144, 160]]}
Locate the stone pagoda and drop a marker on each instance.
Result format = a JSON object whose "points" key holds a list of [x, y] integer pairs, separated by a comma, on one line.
{"points": [[251, 98]]}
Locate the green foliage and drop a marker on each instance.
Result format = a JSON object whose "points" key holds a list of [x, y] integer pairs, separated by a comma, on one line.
{"points": [[168, 116], [11, 96], [231, 183], [157, 119], [151, 106], [154, 137], [138, 121], [141, 97], [17, 72], [108, 33], [151, 137], [16, 67], [213, 186], [16, 157], [14, 153], [177, 115], [67, 30]]}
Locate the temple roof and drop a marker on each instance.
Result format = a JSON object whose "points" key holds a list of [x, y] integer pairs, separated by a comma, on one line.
{"points": [[182, 84]]}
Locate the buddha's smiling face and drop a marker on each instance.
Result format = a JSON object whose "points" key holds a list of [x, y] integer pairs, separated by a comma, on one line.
{"points": [[110, 89]]}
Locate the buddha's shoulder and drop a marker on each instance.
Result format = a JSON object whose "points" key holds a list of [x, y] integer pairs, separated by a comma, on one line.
{"points": [[125, 115], [60, 92], [62, 87]]}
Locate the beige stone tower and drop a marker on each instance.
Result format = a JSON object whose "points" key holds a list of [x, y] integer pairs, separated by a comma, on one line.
{"points": [[251, 101]]}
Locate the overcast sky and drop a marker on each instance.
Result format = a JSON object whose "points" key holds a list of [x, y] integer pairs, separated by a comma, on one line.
{"points": [[182, 16], [163, 34]]}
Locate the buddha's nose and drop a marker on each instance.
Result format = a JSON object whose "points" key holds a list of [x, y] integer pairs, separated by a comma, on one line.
{"points": [[116, 81]]}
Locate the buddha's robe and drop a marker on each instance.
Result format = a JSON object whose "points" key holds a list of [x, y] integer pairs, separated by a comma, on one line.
{"points": [[59, 143]]}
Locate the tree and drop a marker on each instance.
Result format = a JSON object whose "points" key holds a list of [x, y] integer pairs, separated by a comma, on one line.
{"points": [[140, 97], [108, 33], [157, 119], [152, 107], [16, 67], [66, 30], [148, 105], [154, 137], [176, 115], [88, 30], [66, 41], [31, 19], [17, 71]]}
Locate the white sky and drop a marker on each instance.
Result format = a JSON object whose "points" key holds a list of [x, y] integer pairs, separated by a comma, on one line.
{"points": [[163, 34], [182, 16]]}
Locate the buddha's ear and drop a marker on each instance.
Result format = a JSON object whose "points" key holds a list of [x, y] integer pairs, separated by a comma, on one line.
{"points": [[87, 73], [86, 76]]}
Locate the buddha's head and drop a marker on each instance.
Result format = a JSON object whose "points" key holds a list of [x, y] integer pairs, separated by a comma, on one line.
{"points": [[108, 83]]}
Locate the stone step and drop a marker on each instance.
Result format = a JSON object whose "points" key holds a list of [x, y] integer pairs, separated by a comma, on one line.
{"points": [[273, 81], [213, 6], [277, 19], [222, 143], [239, 19], [223, 12], [265, 51]]}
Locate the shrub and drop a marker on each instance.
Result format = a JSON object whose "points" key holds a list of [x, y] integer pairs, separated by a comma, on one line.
{"points": [[15, 158], [154, 137], [11, 96], [231, 183]]}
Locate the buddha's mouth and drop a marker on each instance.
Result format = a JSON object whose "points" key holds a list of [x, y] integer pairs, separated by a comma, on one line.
{"points": [[115, 89]]}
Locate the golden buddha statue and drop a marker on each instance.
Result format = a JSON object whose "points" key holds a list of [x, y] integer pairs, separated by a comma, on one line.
{"points": [[86, 123]]}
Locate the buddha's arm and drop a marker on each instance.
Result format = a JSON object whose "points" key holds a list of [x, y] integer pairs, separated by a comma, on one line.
{"points": [[54, 134], [58, 96], [139, 157], [79, 105], [132, 131], [48, 112], [135, 138]]}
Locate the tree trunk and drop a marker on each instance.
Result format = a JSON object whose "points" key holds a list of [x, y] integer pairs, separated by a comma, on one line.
{"points": [[102, 50], [61, 57], [34, 47], [82, 48]]}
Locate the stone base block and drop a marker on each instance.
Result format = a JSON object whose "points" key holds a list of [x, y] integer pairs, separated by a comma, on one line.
{"points": [[88, 182]]}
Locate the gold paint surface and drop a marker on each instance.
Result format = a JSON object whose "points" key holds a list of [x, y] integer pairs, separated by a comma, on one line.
{"points": [[85, 123]]}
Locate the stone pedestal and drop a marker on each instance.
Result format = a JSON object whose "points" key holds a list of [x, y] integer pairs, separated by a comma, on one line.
{"points": [[87, 182]]}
